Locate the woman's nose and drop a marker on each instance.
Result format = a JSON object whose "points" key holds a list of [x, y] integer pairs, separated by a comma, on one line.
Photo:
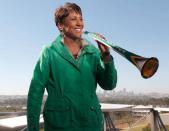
{"points": [[79, 22]]}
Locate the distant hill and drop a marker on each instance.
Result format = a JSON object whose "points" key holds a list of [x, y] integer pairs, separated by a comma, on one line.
{"points": [[124, 97], [121, 97]]}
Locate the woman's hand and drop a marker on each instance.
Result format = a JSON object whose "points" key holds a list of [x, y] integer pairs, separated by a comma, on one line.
{"points": [[104, 50], [102, 47]]}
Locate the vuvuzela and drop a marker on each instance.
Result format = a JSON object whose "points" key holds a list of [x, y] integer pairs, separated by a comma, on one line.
{"points": [[147, 66]]}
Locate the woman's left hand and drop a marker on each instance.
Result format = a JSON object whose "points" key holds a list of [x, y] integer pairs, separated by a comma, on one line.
{"points": [[103, 48]]}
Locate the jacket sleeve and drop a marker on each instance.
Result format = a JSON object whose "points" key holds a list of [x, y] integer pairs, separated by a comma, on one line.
{"points": [[106, 74], [36, 90]]}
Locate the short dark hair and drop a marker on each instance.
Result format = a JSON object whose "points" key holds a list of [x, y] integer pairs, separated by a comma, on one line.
{"points": [[63, 11]]}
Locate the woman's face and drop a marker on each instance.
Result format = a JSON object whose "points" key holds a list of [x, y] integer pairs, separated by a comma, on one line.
{"points": [[73, 25]]}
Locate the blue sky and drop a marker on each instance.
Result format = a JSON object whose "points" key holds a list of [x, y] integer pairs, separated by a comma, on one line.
{"points": [[140, 26]]}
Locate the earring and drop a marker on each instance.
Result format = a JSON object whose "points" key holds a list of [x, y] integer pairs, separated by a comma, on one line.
{"points": [[61, 32], [60, 29]]}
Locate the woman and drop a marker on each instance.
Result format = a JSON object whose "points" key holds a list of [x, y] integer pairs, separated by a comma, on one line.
{"points": [[69, 69]]}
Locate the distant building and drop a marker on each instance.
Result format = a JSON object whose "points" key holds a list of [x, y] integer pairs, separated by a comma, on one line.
{"points": [[24, 108]]}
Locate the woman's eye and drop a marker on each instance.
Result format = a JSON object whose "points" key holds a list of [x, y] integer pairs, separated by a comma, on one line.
{"points": [[73, 19]]}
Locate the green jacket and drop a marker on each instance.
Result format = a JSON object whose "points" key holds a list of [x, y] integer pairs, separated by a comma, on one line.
{"points": [[72, 103]]}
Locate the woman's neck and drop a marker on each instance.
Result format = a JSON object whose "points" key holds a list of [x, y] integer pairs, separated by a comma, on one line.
{"points": [[72, 42], [74, 46]]}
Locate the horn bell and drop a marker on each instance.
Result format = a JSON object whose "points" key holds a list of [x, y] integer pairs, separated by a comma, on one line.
{"points": [[150, 67]]}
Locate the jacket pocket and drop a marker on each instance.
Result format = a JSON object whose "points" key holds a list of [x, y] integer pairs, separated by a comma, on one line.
{"points": [[58, 114], [96, 115]]}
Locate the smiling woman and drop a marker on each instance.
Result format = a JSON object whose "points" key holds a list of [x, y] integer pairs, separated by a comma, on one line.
{"points": [[69, 69], [70, 23]]}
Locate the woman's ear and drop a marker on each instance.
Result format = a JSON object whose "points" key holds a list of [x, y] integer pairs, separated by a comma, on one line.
{"points": [[60, 27]]}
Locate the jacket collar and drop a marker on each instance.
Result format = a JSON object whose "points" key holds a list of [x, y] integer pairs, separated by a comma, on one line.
{"points": [[62, 50]]}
